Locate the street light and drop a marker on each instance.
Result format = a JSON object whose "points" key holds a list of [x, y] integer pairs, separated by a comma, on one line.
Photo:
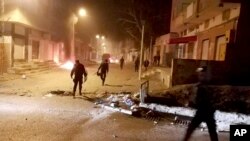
{"points": [[82, 12], [97, 36], [103, 37], [142, 49]]}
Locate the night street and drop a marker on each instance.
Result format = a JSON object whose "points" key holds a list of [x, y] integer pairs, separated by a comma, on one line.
{"points": [[125, 70], [35, 116]]}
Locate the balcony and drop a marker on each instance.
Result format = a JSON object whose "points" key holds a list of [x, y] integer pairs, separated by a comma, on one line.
{"points": [[199, 11]]}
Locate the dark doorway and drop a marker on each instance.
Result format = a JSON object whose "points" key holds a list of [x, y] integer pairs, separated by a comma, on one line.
{"points": [[35, 49]]}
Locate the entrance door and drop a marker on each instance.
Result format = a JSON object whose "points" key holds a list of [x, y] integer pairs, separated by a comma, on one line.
{"points": [[190, 50], [221, 48], [19, 49], [35, 49], [205, 47]]}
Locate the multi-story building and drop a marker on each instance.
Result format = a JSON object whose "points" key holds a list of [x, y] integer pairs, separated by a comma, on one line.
{"points": [[205, 27], [32, 31], [165, 50]]}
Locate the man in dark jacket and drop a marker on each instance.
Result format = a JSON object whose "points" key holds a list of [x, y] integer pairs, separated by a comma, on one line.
{"points": [[121, 62], [137, 63], [78, 71], [205, 110], [103, 70], [146, 64]]}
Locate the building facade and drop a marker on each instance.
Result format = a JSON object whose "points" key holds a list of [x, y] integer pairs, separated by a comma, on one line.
{"points": [[204, 27], [165, 50], [31, 31]]}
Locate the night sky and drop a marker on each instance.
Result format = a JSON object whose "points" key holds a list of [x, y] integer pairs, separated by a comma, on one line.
{"points": [[103, 17]]}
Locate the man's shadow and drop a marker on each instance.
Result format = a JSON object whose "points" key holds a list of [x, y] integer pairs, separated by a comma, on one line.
{"points": [[112, 85]]}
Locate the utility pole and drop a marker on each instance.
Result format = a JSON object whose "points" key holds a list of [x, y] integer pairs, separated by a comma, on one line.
{"points": [[151, 48], [142, 48], [2, 32], [72, 49]]}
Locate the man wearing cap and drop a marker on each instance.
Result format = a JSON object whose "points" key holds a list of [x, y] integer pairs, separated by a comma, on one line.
{"points": [[78, 71], [205, 110]]}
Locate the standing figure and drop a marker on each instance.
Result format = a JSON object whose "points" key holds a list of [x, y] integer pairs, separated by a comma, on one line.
{"points": [[133, 58], [103, 70], [155, 60], [158, 60], [146, 64], [78, 71], [137, 63], [205, 110], [121, 62]]}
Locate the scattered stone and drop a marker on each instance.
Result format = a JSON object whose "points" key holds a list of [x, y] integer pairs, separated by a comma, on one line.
{"points": [[114, 136], [128, 100], [155, 122], [49, 95], [175, 118], [24, 77]]}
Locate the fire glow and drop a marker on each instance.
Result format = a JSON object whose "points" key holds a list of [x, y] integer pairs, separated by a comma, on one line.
{"points": [[68, 65]]}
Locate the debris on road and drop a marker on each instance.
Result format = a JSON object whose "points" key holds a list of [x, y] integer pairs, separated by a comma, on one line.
{"points": [[223, 119]]}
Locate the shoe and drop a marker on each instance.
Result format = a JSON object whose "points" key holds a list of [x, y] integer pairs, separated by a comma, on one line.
{"points": [[80, 94]]}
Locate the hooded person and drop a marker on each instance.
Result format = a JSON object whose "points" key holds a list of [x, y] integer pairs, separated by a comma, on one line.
{"points": [[205, 110], [78, 71]]}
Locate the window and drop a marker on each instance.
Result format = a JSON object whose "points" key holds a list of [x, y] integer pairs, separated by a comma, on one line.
{"points": [[226, 15], [185, 32], [207, 23], [205, 46], [221, 48], [191, 29]]}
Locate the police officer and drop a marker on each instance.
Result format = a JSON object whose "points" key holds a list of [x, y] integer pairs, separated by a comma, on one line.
{"points": [[78, 71], [205, 110], [103, 70]]}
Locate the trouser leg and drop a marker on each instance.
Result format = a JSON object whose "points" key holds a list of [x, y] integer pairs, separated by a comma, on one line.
{"points": [[196, 121], [211, 124], [103, 77], [75, 86], [80, 86]]}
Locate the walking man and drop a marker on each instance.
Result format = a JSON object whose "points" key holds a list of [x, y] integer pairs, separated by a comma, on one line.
{"points": [[103, 70], [137, 63], [146, 64], [121, 62], [205, 110], [78, 71]]}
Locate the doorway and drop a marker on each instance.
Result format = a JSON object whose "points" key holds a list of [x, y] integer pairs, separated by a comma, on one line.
{"points": [[205, 48], [221, 48], [35, 50], [19, 49]]}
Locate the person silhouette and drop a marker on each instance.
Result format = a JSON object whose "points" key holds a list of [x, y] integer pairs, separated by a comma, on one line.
{"points": [[205, 110]]}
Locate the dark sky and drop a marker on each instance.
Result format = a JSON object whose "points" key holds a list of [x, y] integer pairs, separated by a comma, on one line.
{"points": [[103, 17]]}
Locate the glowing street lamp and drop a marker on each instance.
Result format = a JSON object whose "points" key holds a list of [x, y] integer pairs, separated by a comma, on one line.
{"points": [[103, 37], [97, 36], [82, 12]]}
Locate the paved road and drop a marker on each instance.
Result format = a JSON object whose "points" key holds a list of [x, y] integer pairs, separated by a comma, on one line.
{"points": [[28, 115], [65, 119]]}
